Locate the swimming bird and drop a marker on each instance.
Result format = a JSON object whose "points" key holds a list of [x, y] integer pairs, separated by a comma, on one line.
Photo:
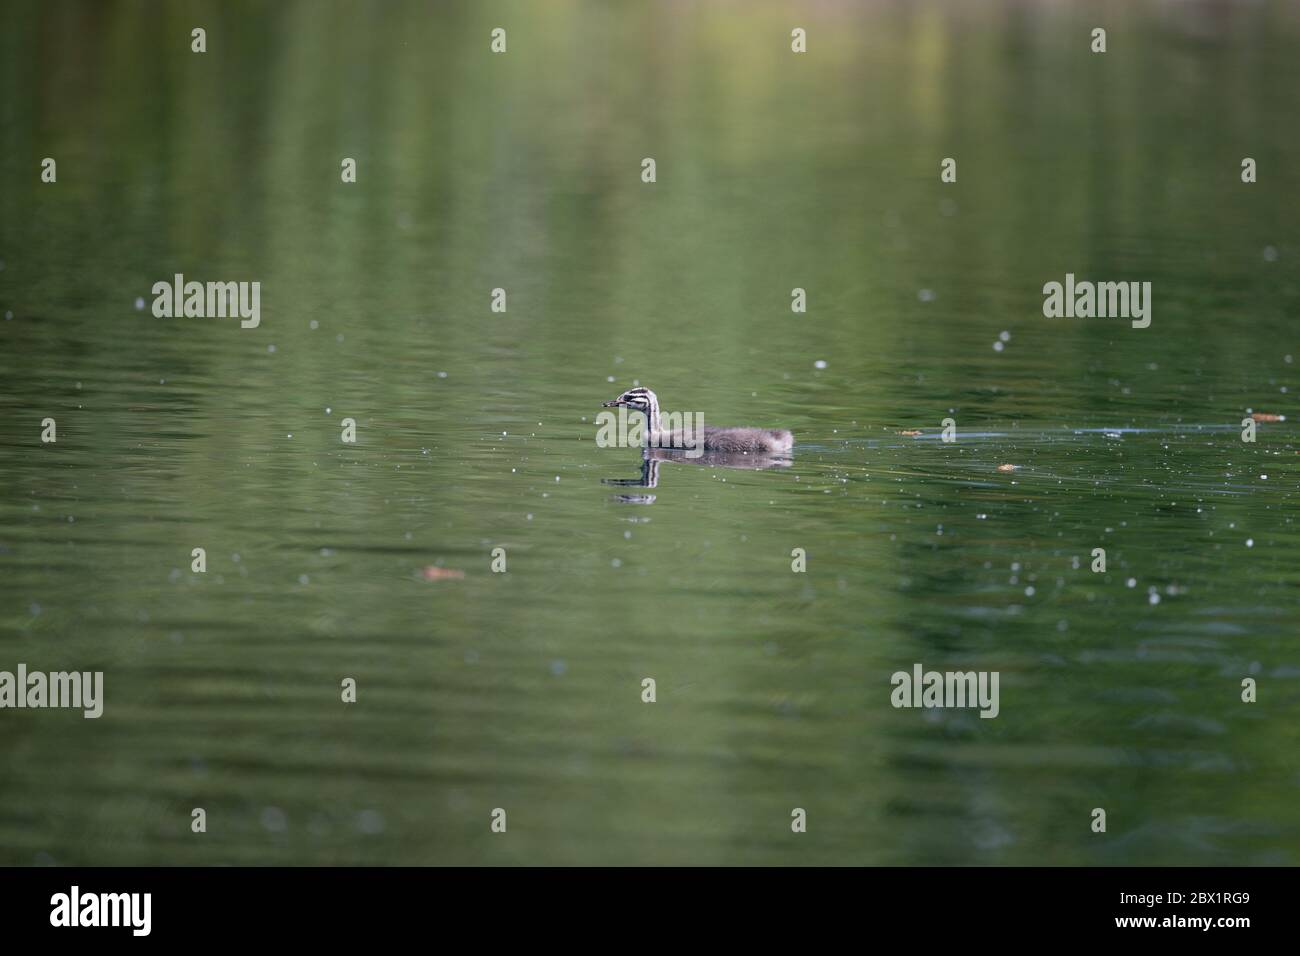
{"points": [[740, 441]]}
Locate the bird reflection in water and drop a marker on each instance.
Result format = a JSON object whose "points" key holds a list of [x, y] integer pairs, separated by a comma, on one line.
{"points": [[652, 458]]}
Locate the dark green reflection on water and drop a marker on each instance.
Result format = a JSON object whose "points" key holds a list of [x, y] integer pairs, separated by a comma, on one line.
{"points": [[522, 690]]}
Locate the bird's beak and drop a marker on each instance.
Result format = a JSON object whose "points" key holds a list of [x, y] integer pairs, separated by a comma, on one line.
{"points": [[614, 404]]}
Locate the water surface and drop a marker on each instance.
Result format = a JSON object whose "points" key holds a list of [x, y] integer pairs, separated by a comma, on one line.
{"points": [[476, 431]]}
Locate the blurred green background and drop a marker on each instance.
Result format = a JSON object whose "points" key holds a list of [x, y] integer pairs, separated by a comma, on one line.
{"points": [[476, 430]]}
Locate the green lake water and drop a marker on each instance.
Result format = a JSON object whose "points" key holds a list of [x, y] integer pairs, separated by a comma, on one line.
{"points": [[476, 430]]}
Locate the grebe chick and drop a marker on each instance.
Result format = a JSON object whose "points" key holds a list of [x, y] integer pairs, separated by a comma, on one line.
{"points": [[746, 441]]}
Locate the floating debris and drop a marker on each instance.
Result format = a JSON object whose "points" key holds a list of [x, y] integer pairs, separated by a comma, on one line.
{"points": [[1266, 417], [1007, 467], [432, 573]]}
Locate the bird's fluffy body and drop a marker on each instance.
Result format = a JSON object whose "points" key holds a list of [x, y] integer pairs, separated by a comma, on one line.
{"points": [[763, 441]]}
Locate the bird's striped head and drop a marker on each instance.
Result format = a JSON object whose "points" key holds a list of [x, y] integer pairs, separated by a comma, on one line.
{"points": [[638, 399]]}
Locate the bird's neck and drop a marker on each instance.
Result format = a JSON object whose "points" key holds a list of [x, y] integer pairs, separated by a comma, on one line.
{"points": [[652, 420]]}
